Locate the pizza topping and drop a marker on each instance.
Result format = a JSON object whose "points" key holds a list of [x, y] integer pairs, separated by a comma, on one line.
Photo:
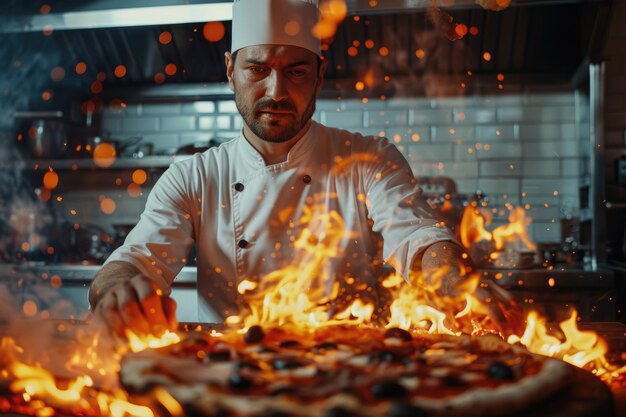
{"points": [[239, 382], [288, 344], [280, 364], [320, 348], [388, 389], [406, 410], [398, 333], [255, 334], [337, 411], [501, 371]]}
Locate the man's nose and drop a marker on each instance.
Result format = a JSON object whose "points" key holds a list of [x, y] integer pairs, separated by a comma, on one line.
{"points": [[276, 86]]}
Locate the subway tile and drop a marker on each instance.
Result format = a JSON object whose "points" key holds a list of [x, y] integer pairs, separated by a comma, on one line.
{"points": [[458, 102], [550, 149], [550, 200], [537, 114], [158, 109], [112, 125], [491, 186], [344, 119], [539, 187], [195, 138], [509, 168], [237, 122], [546, 232], [372, 104], [206, 122], [465, 152], [178, 123], [227, 106], [429, 117], [541, 168], [514, 100], [223, 123], [458, 169], [453, 134], [504, 200], [499, 151], [428, 152], [199, 107], [422, 169], [571, 167], [408, 135], [539, 213], [407, 103], [166, 143], [564, 98], [540, 132], [474, 116], [467, 186], [140, 124], [392, 118], [330, 105], [495, 132]]}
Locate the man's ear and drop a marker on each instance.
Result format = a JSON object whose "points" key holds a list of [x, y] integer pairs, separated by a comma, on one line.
{"points": [[320, 76], [228, 59]]}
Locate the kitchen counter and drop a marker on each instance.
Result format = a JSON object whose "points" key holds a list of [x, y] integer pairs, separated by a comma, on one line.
{"points": [[78, 273], [564, 277]]}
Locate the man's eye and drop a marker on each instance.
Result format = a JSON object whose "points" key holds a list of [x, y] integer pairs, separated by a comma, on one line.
{"points": [[297, 73], [257, 70]]}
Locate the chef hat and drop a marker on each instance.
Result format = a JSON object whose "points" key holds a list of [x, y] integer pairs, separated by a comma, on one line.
{"points": [[275, 22]]}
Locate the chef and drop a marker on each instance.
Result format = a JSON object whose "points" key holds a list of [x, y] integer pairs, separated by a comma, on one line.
{"points": [[246, 204]]}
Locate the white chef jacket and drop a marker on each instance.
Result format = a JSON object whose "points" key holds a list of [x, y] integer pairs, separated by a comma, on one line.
{"points": [[245, 216]]}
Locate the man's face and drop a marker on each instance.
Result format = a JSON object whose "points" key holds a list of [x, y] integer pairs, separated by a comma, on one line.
{"points": [[275, 88]]}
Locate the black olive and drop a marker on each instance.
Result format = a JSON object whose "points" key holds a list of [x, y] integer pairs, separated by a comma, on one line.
{"points": [[284, 390], [388, 389], [324, 346], [254, 334], [500, 370], [219, 355], [238, 381], [285, 363], [191, 410], [385, 356], [398, 333], [289, 344], [247, 365], [267, 349], [406, 410], [453, 381], [337, 411]]}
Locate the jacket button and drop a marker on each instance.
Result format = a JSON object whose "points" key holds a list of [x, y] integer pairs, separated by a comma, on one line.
{"points": [[306, 179], [243, 243], [239, 187]]}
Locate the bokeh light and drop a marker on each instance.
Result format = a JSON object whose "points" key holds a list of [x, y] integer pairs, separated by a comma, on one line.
{"points": [[140, 176], [51, 180], [487, 56], [292, 28], [420, 53], [107, 206], [104, 155], [134, 190], [165, 37], [171, 69], [81, 68], [120, 71], [214, 31], [29, 308], [57, 74]]}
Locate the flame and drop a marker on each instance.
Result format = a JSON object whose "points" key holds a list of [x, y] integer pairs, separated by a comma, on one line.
{"points": [[137, 343], [584, 349], [472, 227], [514, 231]]}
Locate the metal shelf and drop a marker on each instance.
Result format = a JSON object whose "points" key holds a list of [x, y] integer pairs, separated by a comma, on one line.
{"points": [[120, 163]]}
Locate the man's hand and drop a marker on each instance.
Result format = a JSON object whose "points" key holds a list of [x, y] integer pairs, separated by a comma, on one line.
{"points": [[132, 302], [137, 305], [452, 266]]}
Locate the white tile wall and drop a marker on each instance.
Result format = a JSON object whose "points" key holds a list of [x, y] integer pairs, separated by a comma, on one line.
{"points": [[504, 146]]}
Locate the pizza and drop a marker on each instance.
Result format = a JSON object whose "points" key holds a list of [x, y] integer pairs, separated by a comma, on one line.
{"points": [[338, 371]]}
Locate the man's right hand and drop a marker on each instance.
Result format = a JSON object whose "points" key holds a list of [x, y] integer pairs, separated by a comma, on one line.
{"points": [[138, 305]]}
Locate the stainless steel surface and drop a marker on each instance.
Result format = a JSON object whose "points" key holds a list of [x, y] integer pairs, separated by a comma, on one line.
{"points": [[597, 187], [82, 273], [37, 114], [116, 18], [566, 278]]}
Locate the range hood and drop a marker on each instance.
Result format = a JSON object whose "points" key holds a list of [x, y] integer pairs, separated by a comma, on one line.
{"points": [[530, 42]]}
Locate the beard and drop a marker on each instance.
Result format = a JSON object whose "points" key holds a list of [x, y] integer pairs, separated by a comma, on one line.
{"points": [[274, 131]]}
